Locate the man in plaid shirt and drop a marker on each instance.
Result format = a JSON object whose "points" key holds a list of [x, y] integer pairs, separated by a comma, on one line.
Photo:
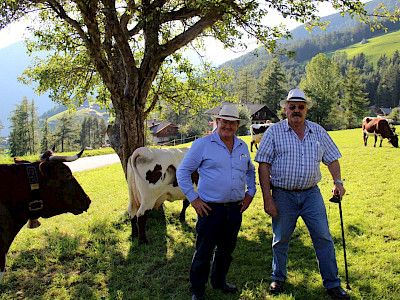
{"points": [[289, 159]]}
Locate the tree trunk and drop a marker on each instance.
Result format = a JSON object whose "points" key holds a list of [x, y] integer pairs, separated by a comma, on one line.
{"points": [[127, 133]]}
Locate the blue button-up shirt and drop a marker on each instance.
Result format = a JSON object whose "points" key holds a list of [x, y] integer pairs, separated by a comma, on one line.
{"points": [[295, 163], [223, 175]]}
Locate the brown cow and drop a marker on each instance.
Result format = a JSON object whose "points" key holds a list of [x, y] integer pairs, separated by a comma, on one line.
{"points": [[31, 190], [378, 127]]}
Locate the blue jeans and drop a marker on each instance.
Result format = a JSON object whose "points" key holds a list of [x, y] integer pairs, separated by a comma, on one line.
{"points": [[310, 206]]}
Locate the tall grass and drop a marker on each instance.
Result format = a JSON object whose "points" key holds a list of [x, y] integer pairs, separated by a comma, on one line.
{"points": [[91, 256]]}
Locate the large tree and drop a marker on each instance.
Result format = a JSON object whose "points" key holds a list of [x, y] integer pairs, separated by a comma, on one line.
{"points": [[117, 50]]}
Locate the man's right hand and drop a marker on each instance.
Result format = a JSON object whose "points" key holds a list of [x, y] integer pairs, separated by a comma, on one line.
{"points": [[270, 207], [200, 207]]}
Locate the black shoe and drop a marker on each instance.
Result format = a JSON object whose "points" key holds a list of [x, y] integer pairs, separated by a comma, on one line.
{"points": [[338, 293], [276, 287], [198, 297], [227, 288]]}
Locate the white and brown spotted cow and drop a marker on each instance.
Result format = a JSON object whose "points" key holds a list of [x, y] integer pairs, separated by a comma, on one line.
{"points": [[257, 131], [151, 181], [378, 127]]}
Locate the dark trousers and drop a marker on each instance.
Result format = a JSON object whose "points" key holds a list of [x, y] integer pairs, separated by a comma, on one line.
{"points": [[216, 234]]}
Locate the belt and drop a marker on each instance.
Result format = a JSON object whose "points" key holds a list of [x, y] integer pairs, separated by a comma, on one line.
{"points": [[223, 203], [294, 190]]}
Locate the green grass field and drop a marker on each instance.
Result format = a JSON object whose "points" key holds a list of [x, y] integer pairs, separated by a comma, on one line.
{"points": [[91, 256], [375, 47]]}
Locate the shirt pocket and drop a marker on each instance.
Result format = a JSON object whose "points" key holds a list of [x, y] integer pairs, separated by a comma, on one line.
{"points": [[241, 162], [316, 151]]}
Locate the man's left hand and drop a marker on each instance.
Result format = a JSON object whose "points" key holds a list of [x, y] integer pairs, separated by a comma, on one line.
{"points": [[246, 202], [338, 189]]}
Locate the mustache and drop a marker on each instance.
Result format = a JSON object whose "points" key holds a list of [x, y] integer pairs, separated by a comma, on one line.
{"points": [[296, 114]]}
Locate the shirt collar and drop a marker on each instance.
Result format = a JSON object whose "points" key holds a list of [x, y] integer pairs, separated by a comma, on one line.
{"points": [[308, 127], [216, 138]]}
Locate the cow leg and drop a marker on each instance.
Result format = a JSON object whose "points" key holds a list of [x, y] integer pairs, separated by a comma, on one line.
{"points": [[256, 146], [141, 224], [380, 145], [134, 227], [2, 265], [185, 205], [365, 136], [251, 146], [375, 137]]}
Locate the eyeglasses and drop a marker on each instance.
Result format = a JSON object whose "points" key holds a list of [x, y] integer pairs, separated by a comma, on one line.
{"points": [[299, 106]]}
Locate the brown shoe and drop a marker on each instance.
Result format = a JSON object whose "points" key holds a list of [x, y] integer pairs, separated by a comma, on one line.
{"points": [[276, 287]]}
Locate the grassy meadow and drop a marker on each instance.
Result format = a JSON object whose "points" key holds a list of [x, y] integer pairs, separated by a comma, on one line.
{"points": [[91, 256], [375, 47]]}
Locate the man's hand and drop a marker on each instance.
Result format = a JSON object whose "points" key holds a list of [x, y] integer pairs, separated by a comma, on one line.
{"points": [[246, 202], [270, 207], [338, 189], [200, 207]]}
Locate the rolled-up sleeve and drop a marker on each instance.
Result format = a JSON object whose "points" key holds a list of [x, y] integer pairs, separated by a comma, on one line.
{"points": [[251, 179], [189, 164], [331, 152]]}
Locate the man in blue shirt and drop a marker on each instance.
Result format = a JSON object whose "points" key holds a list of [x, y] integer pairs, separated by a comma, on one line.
{"points": [[289, 165], [225, 169]]}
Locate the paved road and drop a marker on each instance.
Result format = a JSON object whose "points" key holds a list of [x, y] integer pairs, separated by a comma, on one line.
{"points": [[92, 162]]}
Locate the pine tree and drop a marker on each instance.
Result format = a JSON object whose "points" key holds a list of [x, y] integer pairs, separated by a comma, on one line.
{"points": [[23, 128], [66, 133], [44, 143], [355, 101], [246, 86], [272, 85]]}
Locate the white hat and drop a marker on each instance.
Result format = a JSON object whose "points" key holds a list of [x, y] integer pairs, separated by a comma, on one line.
{"points": [[228, 112], [296, 95]]}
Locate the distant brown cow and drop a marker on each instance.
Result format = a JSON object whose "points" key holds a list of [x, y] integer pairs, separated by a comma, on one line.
{"points": [[378, 127], [31, 190]]}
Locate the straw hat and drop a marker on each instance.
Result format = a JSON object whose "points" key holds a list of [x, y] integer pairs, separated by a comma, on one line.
{"points": [[228, 112], [296, 95]]}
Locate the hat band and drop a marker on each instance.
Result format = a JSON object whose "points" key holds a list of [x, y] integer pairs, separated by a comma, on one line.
{"points": [[296, 98], [228, 116]]}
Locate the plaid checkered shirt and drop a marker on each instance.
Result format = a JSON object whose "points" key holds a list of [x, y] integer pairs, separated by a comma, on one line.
{"points": [[295, 163]]}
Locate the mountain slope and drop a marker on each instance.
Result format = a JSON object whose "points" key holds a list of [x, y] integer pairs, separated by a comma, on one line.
{"points": [[306, 44], [375, 47]]}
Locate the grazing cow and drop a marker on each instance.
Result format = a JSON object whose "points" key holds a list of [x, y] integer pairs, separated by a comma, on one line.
{"points": [[31, 190], [257, 131], [378, 127], [151, 181]]}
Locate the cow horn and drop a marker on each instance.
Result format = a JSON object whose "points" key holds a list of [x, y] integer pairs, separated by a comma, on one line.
{"points": [[66, 158]]}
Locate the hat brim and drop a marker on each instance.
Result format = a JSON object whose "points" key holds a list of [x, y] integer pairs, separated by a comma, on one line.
{"points": [[285, 101], [226, 118], [241, 121]]}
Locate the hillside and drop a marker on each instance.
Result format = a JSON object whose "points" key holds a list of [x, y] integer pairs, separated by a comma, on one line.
{"points": [[341, 32], [375, 47]]}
